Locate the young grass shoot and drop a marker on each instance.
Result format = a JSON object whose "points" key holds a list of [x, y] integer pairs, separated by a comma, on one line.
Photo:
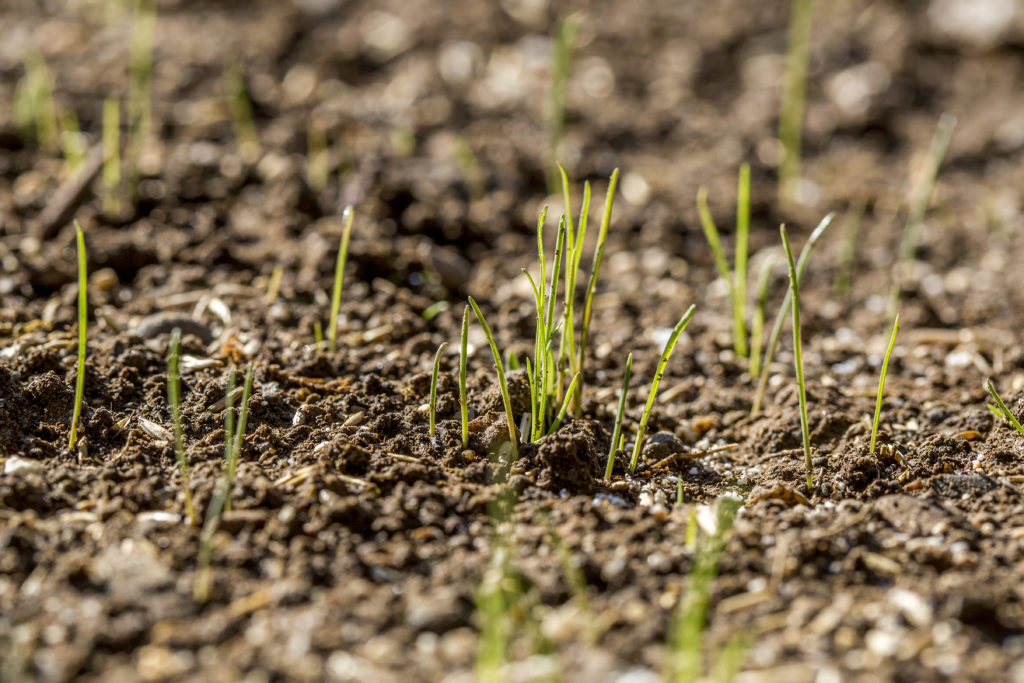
{"points": [[780, 317], [881, 382], [339, 276], [433, 388], [174, 400], [659, 373], [798, 358], [463, 362], [83, 318], [502, 383], [1000, 408], [737, 279], [791, 118]]}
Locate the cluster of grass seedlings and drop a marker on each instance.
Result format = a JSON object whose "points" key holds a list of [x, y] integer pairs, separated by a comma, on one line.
{"points": [[347, 218], [174, 400], [659, 373], [83, 318], [221, 499], [1000, 408], [791, 117], [798, 358], [919, 201], [686, 638], [737, 279], [780, 317], [881, 382], [433, 388], [617, 431], [240, 109]]}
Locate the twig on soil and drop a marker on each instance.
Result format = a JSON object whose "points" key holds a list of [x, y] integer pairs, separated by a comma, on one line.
{"points": [[694, 455], [68, 197]]}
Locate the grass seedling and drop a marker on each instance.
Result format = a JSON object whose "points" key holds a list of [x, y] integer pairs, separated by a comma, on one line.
{"points": [[567, 358], [83, 317], [557, 422], [1001, 410], [588, 301], [111, 156], [848, 251], [463, 361], [686, 640], [919, 201], [659, 373], [780, 317], [140, 84], [71, 140], [34, 106], [757, 327], [617, 430], [791, 117], [174, 400], [502, 383], [561, 67], [433, 387], [798, 358], [339, 275], [737, 279], [881, 382], [240, 108], [274, 284], [221, 499]]}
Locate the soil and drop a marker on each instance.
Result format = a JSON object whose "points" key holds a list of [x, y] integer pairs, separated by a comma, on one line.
{"points": [[358, 544]]}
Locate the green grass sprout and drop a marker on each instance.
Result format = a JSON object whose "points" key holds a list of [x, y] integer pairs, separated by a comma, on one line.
{"points": [[757, 326], [240, 109], [71, 140], [433, 386], [1001, 410], [83, 318], [920, 198], [111, 156], [339, 276], [40, 112], [567, 357], [659, 373], [791, 116], [617, 430], [174, 400], [221, 499], [317, 164], [737, 278], [881, 382], [798, 358], [557, 422], [686, 638], [595, 268], [780, 317], [463, 362], [502, 383]]}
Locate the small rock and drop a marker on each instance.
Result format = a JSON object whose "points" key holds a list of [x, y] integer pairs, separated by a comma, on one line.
{"points": [[22, 466], [661, 446]]}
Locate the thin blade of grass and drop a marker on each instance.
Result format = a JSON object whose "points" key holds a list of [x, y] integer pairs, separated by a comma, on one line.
{"points": [[780, 317], [83, 320], [463, 361], [881, 382], [347, 218], [739, 288], [433, 386], [798, 360], [502, 383], [757, 329], [794, 90], [659, 373], [557, 422], [1006, 414], [174, 400]]}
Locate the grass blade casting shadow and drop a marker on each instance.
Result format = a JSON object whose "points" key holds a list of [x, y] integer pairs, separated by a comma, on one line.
{"points": [[1001, 408], [659, 373]]}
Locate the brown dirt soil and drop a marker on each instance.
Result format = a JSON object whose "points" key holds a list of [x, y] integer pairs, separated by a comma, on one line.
{"points": [[357, 543]]}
